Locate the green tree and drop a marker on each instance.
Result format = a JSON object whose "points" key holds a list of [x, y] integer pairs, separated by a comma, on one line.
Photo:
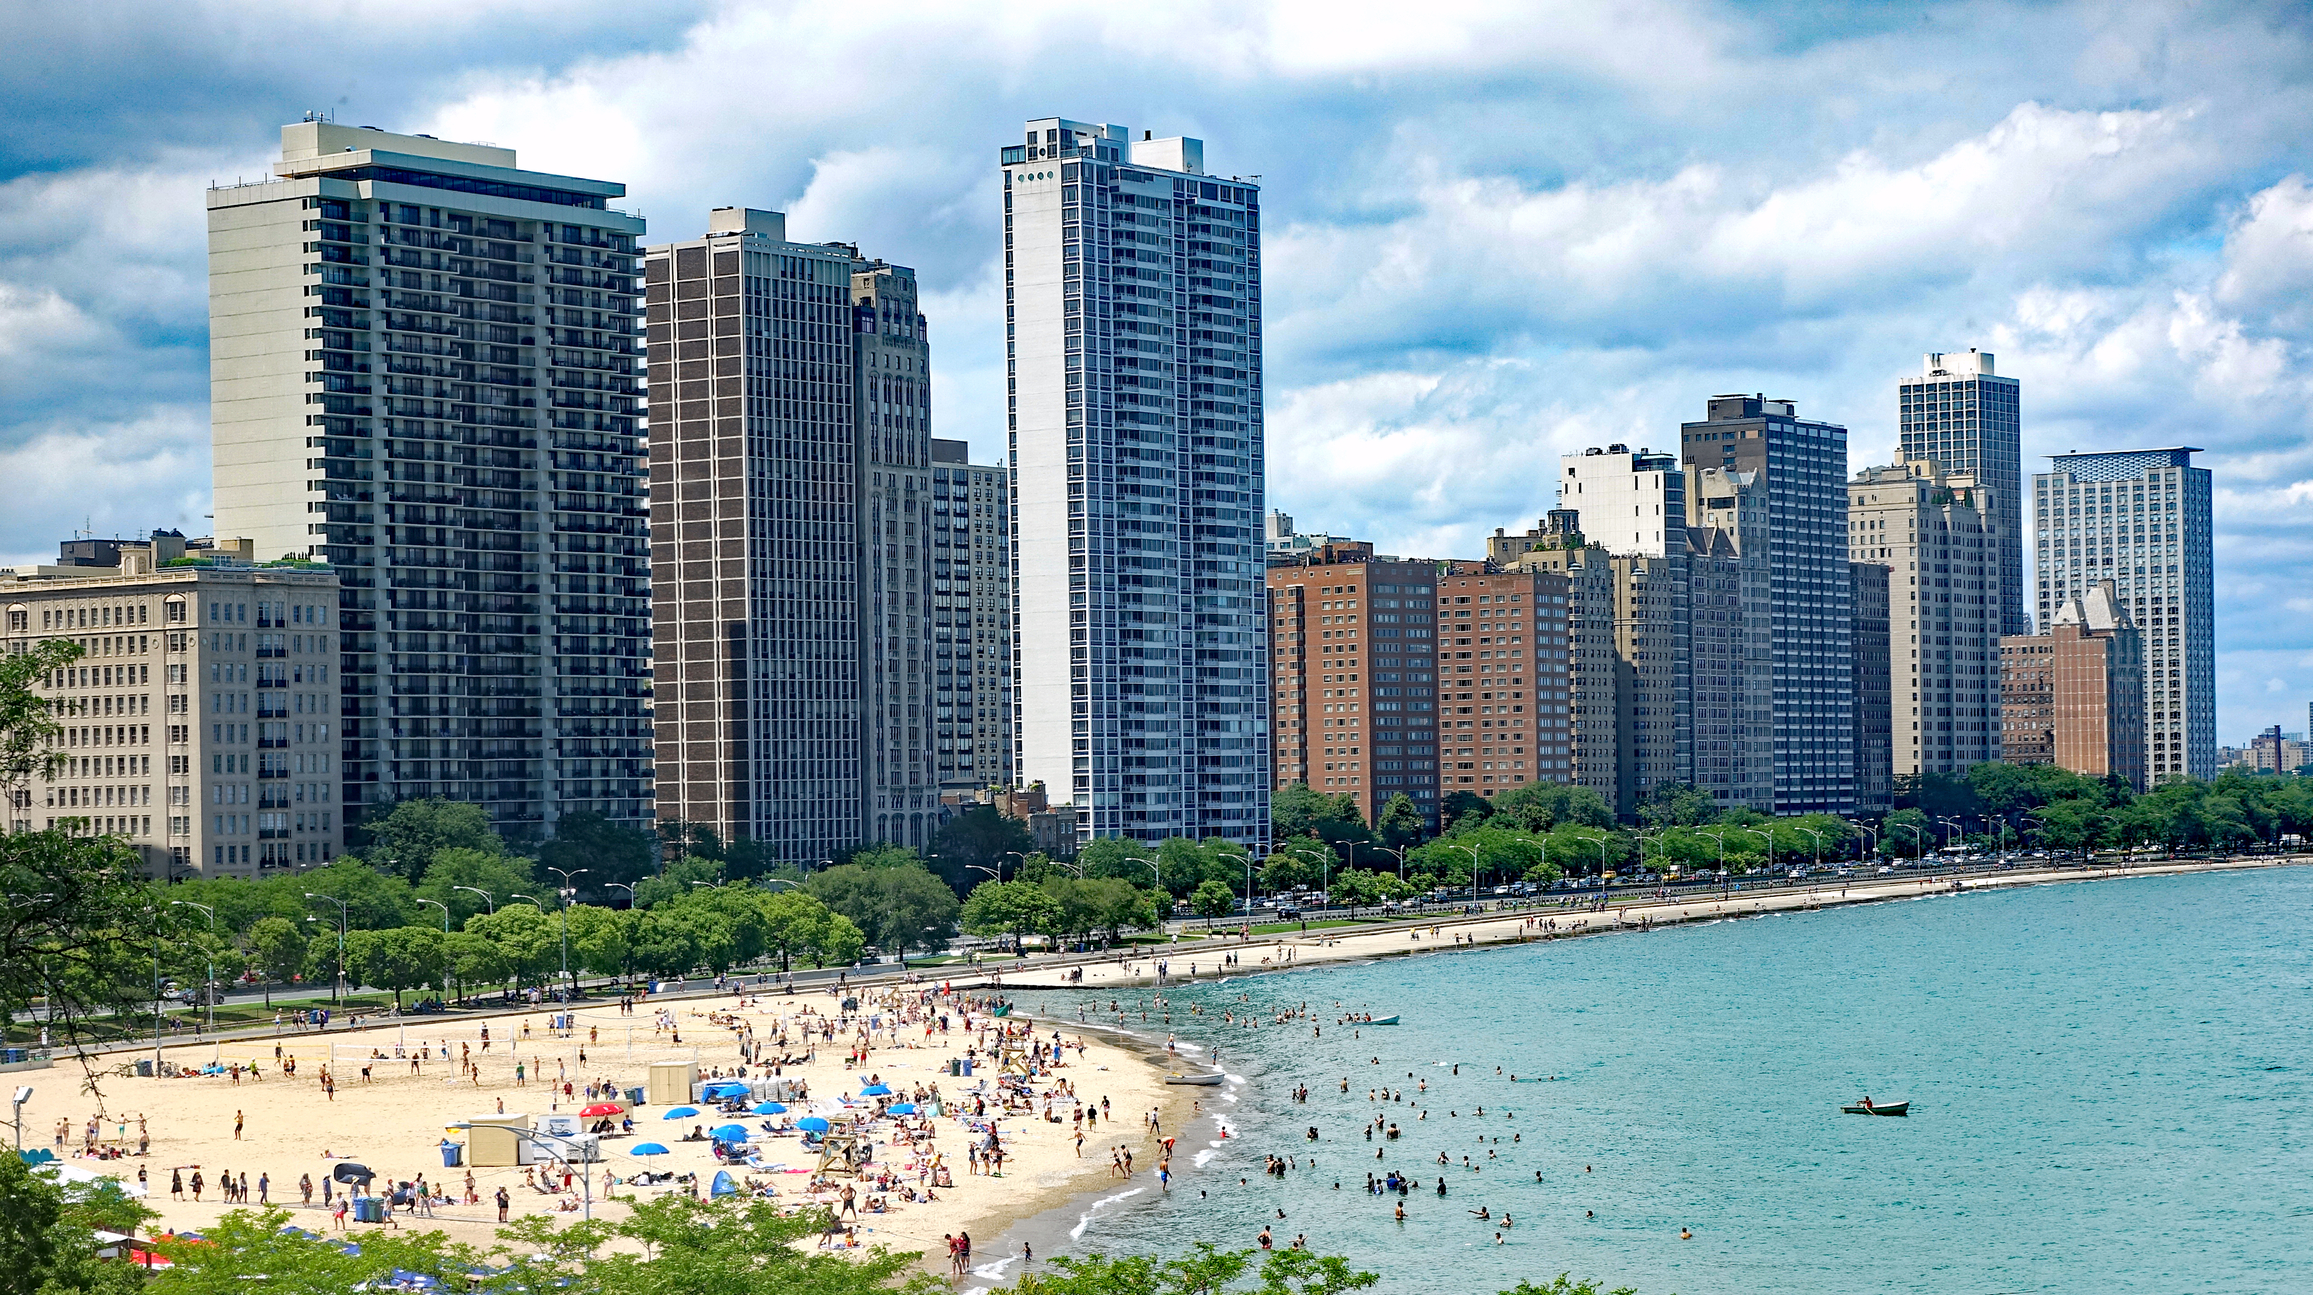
{"points": [[744, 1246], [681, 877], [980, 837], [1203, 1270], [602, 939], [1462, 810], [608, 850], [406, 840], [529, 943], [258, 1248], [1297, 809], [398, 959], [278, 945], [373, 900], [1013, 908], [679, 839], [1212, 899], [475, 959], [1565, 1285], [1401, 823], [837, 942], [1676, 804], [29, 749], [48, 1232], [890, 895], [794, 924], [81, 936], [499, 876]]}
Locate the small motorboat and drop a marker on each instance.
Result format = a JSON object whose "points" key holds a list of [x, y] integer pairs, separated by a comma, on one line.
{"points": [[1870, 1107], [1382, 1020], [1198, 1081]]}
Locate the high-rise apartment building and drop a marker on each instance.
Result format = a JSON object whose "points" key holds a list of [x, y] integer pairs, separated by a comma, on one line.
{"points": [[971, 620], [1802, 467], [2140, 518], [1730, 595], [1964, 416], [1132, 326], [199, 723], [422, 365], [1593, 663], [1504, 709], [2074, 696], [898, 525], [793, 512], [1354, 684], [1874, 700], [1943, 616]]}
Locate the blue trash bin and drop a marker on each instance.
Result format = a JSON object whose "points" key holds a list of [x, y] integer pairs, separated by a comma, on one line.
{"points": [[453, 1154], [368, 1209]]}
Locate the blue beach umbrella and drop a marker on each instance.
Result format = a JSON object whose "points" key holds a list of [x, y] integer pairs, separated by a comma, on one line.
{"points": [[680, 1113], [723, 1090], [875, 1090], [812, 1124], [770, 1108], [901, 1108], [730, 1133], [648, 1149]]}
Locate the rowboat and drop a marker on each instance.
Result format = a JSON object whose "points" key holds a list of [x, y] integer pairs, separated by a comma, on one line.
{"points": [[1382, 1020], [1878, 1108], [1198, 1081]]}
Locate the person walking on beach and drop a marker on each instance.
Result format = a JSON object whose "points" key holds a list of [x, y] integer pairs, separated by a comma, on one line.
{"points": [[237, 1122], [305, 1189], [503, 1201]]}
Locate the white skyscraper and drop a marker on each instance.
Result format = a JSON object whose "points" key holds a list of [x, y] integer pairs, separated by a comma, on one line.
{"points": [[1964, 416], [2140, 518], [1132, 313]]}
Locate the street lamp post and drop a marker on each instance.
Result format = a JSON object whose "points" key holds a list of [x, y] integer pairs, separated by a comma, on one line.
{"points": [[1818, 846], [1726, 886], [1769, 837], [1599, 841], [208, 988], [622, 886], [490, 901], [337, 991], [1473, 870], [567, 893]]}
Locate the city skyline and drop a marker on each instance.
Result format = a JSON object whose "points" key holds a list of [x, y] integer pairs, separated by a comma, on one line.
{"points": [[1416, 378]]}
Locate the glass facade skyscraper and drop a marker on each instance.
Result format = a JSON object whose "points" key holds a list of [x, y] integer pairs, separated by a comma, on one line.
{"points": [[2140, 518], [1803, 472], [1132, 326]]}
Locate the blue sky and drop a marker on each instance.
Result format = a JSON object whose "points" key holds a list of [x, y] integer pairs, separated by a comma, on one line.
{"points": [[1494, 232]]}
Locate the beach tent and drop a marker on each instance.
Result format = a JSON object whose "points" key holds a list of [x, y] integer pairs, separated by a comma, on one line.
{"points": [[730, 1133], [680, 1113], [770, 1108], [346, 1171], [66, 1171], [647, 1149], [811, 1124], [37, 1156], [723, 1186]]}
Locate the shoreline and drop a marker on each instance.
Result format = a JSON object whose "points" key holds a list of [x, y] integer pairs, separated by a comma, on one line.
{"points": [[1056, 1225]]}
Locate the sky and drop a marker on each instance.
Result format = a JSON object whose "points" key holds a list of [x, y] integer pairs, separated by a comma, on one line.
{"points": [[1493, 232]]}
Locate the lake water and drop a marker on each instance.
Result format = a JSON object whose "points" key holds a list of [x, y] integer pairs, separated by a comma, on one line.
{"points": [[2109, 1088]]}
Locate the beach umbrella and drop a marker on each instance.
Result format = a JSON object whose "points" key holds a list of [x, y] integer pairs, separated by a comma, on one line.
{"points": [[647, 1149], [875, 1090], [680, 1113], [723, 1090], [900, 1108], [812, 1124], [730, 1133], [603, 1108], [770, 1108]]}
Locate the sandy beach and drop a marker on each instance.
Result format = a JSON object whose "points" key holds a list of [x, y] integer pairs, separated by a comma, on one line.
{"points": [[392, 1093]]}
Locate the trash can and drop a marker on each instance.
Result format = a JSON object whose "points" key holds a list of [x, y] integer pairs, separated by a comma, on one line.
{"points": [[368, 1209], [453, 1154], [11, 1056], [634, 1096], [145, 1069]]}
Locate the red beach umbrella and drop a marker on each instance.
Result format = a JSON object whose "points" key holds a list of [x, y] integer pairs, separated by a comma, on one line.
{"points": [[603, 1108]]}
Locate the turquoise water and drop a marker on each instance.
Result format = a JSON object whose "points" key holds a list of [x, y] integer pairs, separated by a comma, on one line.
{"points": [[2109, 1087]]}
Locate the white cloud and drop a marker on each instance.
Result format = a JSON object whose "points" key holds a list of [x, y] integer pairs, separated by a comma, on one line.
{"points": [[122, 478]]}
